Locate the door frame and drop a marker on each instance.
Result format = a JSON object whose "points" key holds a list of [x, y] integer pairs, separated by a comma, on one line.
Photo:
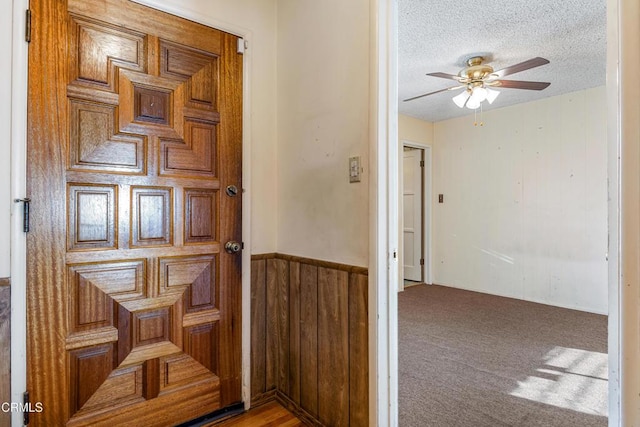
{"points": [[19, 79], [427, 211], [623, 57]]}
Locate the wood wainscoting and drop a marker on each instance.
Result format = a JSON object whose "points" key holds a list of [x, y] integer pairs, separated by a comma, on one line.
{"points": [[309, 338], [5, 349]]}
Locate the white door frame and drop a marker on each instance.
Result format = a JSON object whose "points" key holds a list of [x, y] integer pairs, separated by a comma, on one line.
{"points": [[383, 215], [19, 62], [623, 61], [411, 268], [623, 107], [427, 209]]}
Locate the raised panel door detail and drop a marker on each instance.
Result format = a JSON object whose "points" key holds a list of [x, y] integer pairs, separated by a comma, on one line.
{"points": [[122, 387], [98, 49], [195, 276], [152, 105], [93, 289], [180, 369], [137, 344], [93, 309], [200, 220], [92, 217], [200, 344], [89, 368], [198, 69], [151, 326], [123, 280], [151, 216], [151, 378], [95, 144], [195, 154], [152, 335]]}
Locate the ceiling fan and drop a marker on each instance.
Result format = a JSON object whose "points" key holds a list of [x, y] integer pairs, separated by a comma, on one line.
{"points": [[479, 80]]}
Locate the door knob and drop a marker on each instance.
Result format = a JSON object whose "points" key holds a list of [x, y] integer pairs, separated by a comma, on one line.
{"points": [[232, 247], [232, 191]]}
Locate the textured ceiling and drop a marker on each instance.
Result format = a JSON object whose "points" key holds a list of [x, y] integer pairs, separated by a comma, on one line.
{"points": [[440, 35]]}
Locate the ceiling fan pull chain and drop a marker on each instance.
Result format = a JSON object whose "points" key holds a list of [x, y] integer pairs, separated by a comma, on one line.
{"points": [[475, 117]]}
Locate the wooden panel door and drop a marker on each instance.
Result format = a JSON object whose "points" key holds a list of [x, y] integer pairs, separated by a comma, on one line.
{"points": [[134, 134]]}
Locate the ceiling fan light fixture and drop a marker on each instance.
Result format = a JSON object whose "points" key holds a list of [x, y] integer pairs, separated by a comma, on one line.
{"points": [[461, 98], [472, 104], [492, 94], [478, 79], [478, 94]]}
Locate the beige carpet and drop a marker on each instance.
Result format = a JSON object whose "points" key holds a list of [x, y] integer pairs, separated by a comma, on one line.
{"points": [[470, 359]]}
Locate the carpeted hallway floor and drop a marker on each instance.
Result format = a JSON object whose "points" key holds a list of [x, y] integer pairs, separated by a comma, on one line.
{"points": [[471, 359]]}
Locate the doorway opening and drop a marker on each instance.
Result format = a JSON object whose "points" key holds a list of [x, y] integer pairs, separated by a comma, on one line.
{"points": [[415, 214]]}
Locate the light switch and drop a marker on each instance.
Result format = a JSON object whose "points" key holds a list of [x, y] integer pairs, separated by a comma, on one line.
{"points": [[354, 169]]}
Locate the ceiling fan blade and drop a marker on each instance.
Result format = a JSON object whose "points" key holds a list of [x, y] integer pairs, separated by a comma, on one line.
{"points": [[433, 93], [519, 84], [531, 63], [445, 76]]}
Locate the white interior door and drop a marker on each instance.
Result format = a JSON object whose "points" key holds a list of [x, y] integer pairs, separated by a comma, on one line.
{"points": [[412, 213]]}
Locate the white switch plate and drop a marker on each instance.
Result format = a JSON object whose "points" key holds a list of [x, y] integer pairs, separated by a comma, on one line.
{"points": [[354, 169]]}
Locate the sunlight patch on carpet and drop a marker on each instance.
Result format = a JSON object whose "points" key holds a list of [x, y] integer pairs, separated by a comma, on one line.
{"points": [[570, 378]]}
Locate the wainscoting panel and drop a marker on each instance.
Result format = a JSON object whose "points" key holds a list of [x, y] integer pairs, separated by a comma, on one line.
{"points": [[5, 349], [309, 336]]}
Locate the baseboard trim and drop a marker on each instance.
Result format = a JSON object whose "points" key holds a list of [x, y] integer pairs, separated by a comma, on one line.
{"points": [[263, 398], [258, 257], [5, 281], [290, 405], [531, 300], [296, 410]]}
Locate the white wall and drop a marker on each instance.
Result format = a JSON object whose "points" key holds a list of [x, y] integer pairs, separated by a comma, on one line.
{"points": [[525, 202], [323, 119], [414, 130], [5, 136]]}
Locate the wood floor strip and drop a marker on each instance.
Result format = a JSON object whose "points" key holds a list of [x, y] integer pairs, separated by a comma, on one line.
{"points": [[271, 414]]}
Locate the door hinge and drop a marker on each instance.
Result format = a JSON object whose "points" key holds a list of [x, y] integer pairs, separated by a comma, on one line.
{"points": [[25, 213], [26, 408], [421, 163], [242, 45], [27, 30], [421, 261]]}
